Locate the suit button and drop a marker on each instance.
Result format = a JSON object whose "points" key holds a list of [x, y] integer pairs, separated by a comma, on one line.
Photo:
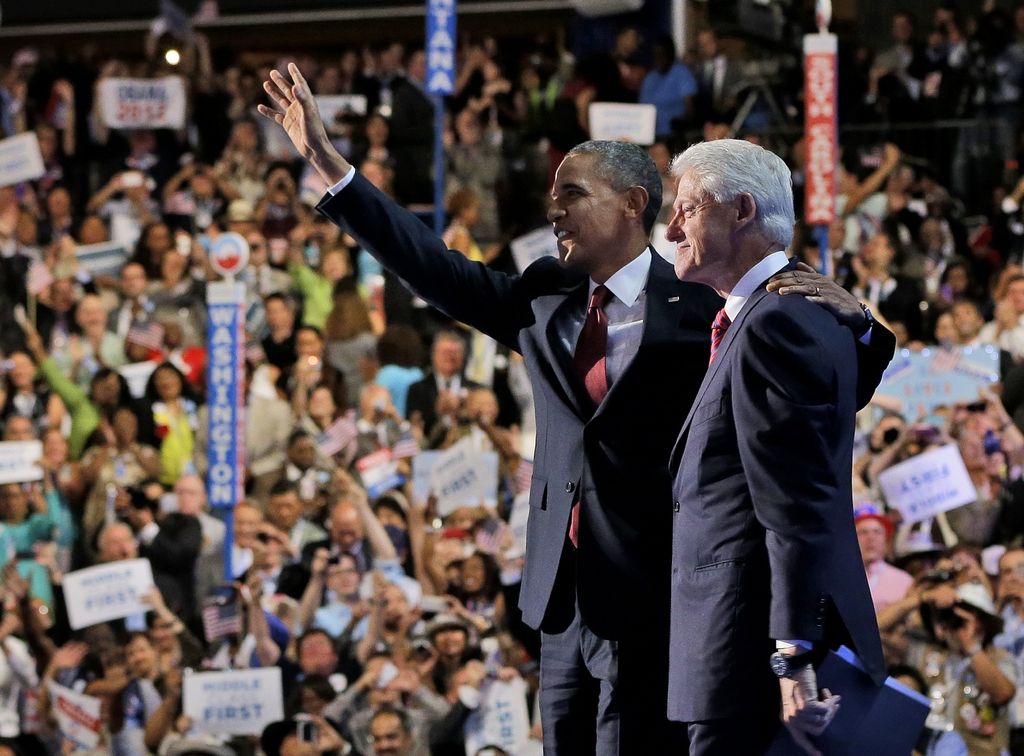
{"points": [[675, 506], [570, 487]]}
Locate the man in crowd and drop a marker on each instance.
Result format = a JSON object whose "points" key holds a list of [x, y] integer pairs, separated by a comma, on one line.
{"points": [[764, 551], [888, 584], [434, 396], [597, 564]]}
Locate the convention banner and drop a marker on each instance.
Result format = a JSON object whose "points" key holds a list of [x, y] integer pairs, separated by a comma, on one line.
{"points": [[143, 103], [225, 398], [820, 126], [441, 45], [107, 591]]}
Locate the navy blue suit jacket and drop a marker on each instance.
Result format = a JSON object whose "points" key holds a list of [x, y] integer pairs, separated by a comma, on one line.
{"points": [[763, 545]]}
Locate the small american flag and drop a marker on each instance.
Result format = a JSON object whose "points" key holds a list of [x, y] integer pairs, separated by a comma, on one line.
{"points": [[38, 278], [405, 447], [220, 618], [524, 474], [149, 334], [337, 435]]}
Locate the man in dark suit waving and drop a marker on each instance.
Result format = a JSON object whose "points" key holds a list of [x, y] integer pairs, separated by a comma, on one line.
{"points": [[615, 347], [766, 571]]}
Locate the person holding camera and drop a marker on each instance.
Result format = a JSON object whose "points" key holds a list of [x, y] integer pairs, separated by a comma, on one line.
{"points": [[970, 680], [1011, 602]]}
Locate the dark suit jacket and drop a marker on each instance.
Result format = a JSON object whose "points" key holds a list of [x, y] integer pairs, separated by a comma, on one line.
{"points": [[173, 554], [764, 546], [422, 398], [615, 457]]}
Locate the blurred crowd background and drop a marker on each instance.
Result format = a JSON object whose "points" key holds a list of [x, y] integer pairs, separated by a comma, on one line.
{"points": [[389, 610]]}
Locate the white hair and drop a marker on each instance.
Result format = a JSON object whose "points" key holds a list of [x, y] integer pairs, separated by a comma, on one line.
{"points": [[726, 168]]}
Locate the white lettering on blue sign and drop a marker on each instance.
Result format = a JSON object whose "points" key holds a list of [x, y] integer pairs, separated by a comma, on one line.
{"points": [[225, 397], [440, 46]]}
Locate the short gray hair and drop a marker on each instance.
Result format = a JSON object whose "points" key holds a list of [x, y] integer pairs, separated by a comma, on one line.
{"points": [[624, 165], [726, 168]]}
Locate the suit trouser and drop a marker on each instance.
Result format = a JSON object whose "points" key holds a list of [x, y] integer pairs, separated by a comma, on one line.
{"points": [[606, 697], [749, 735]]}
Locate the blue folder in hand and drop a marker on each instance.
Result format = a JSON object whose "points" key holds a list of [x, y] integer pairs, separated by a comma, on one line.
{"points": [[881, 720]]}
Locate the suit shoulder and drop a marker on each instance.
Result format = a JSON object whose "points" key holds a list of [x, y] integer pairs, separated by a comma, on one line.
{"points": [[777, 315]]}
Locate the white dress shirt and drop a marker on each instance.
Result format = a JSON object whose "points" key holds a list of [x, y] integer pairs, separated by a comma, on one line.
{"points": [[625, 312]]}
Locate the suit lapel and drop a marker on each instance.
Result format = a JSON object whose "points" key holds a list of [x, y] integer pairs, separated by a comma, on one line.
{"points": [[547, 310], [720, 357]]}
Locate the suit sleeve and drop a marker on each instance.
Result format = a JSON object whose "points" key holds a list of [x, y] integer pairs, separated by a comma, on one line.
{"points": [[872, 360], [177, 545], [467, 291], [784, 401]]}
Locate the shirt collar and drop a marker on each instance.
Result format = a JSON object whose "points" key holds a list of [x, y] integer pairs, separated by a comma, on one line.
{"points": [[746, 286], [629, 280]]}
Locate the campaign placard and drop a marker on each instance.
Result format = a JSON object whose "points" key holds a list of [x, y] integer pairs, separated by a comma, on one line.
{"points": [[78, 716], [18, 461], [529, 248], [143, 103], [103, 259], [502, 720], [927, 484], [622, 122], [234, 702], [107, 591], [20, 159]]}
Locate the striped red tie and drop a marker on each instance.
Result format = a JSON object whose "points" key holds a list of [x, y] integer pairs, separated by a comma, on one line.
{"points": [[718, 329]]}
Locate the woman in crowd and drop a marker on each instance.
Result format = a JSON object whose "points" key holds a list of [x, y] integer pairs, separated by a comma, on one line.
{"points": [[173, 406]]}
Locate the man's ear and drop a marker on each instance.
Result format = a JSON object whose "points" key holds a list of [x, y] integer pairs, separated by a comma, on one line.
{"points": [[636, 201], [746, 209]]}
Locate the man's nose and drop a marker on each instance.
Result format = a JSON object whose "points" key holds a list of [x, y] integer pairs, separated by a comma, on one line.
{"points": [[554, 212]]}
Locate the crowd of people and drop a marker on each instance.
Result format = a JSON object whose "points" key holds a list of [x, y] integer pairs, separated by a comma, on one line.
{"points": [[390, 618]]}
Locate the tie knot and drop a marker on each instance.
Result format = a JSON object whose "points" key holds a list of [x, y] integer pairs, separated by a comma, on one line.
{"points": [[602, 295], [722, 320]]}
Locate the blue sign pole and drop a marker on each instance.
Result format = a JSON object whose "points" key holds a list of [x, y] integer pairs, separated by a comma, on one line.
{"points": [[440, 82], [226, 404]]}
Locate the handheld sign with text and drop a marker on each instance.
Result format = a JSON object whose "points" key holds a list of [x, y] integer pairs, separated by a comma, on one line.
{"points": [[18, 461], [20, 159], [922, 381], [104, 259], [529, 248], [927, 484], [107, 591], [622, 122], [502, 720], [78, 716], [143, 103], [378, 472], [461, 476], [237, 702]]}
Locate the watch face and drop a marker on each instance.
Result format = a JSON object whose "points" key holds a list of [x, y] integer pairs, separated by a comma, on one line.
{"points": [[780, 665]]}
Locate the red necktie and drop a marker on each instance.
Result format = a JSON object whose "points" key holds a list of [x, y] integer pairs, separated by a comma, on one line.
{"points": [[718, 329], [590, 360]]}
